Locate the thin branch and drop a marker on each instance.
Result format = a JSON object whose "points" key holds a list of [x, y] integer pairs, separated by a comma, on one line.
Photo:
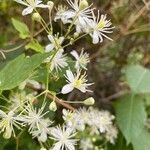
{"points": [[51, 97]]}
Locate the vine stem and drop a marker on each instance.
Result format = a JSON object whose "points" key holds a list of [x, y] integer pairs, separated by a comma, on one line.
{"points": [[17, 139], [51, 97]]}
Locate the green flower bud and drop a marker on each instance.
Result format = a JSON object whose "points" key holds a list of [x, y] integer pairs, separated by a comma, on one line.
{"points": [[83, 4], [89, 101], [76, 35], [53, 106], [50, 4], [36, 17], [7, 134]]}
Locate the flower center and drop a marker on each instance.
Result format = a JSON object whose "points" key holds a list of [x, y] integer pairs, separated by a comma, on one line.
{"points": [[101, 25], [78, 83]]}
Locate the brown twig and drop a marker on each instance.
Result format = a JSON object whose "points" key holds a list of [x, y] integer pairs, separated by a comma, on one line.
{"points": [[51, 97], [116, 95]]}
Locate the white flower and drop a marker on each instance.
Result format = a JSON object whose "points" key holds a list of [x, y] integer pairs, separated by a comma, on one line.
{"points": [[81, 60], [73, 120], [111, 134], [99, 27], [57, 60], [43, 130], [31, 5], [86, 144], [105, 120], [77, 81], [38, 126], [82, 12], [55, 43], [7, 123], [63, 137], [63, 14]]}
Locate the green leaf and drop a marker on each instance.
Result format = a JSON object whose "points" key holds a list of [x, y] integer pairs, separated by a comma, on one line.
{"points": [[138, 79], [35, 45], [21, 28], [131, 116], [18, 70], [142, 142]]}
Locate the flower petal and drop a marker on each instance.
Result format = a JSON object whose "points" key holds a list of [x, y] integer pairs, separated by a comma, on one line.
{"points": [[75, 54], [70, 76], [49, 47], [95, 38], [27, 10], [67, 88]]}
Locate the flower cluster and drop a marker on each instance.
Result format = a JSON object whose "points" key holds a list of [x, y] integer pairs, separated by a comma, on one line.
{"points": [[28, 110], [40, 126], [99, 122]]}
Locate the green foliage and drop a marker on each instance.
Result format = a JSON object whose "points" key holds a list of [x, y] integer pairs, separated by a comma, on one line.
{"points": [[138, 79], [19, 70], [142, 142], [35, 45], [131, 116], [130, 110], [21, 28]]}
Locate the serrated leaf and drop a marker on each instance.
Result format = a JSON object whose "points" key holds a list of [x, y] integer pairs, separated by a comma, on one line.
{"points": [[35, 45], [138, 79], [18, 70], [21, 28], [131, 116]]}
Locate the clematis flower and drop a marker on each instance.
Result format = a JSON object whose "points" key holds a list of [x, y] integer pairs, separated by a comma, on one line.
{"points": [[64, 138], [81, 60], [63, 14], [31, 5], [7, 123], [82, 13], [58, 61], [38, 126], [77, 81], [55, 43], [99, 27]]}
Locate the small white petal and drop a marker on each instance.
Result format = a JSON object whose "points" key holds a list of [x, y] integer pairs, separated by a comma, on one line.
{"points": [[49, 47], [67, 88], [42, 6], [95, 38], [70, 75], [75, 54], [27, 10]]}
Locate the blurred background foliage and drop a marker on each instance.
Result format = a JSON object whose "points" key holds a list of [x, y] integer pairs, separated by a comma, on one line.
{"points": [[130, 45]]}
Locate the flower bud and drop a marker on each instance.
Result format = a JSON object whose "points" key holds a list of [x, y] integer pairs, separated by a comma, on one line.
{"points": [[76, 34], [71, 41], [83, 4], [53, 106], [7, 133], [50, 4], [89, 101], [36, 17]]}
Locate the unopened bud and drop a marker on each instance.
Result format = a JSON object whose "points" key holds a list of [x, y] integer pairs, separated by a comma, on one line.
{"points": [[36, 17], [76, 34], [89, 101], [7, 134], [50, 4], [71, 41], [83, 4], [53, 106]]}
